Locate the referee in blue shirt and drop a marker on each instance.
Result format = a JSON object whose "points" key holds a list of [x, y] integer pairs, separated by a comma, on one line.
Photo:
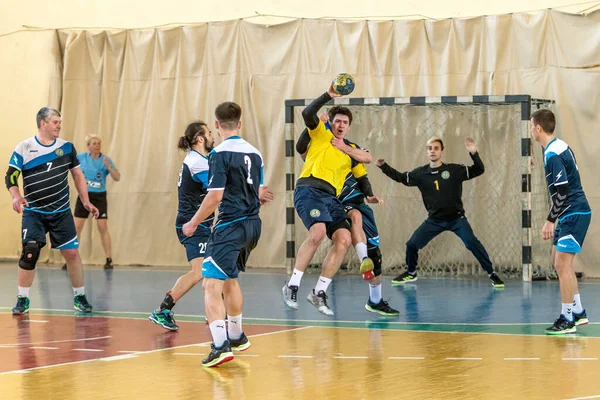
{"points": [[96, 167]]}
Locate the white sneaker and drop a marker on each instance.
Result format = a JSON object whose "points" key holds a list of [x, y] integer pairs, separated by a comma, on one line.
{"points": [[290, 296], [319, 300]]}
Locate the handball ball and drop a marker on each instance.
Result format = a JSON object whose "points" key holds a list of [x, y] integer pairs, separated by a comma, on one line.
{"points": [[343, 84]]}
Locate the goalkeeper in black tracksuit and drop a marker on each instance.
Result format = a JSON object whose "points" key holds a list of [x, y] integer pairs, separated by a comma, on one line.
{"points": [[441, 187]]}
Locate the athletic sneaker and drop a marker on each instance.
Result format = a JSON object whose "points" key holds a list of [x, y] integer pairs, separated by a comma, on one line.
{"points": [[164, 318], [366, 265], [404, 278], [319, 300], [496, 281], [81, 304], [64, 267], [561, 327], [240, 344], [218, 355], [108, 264], [581, 318], [22, 306], [382, 308], [290, 296]]}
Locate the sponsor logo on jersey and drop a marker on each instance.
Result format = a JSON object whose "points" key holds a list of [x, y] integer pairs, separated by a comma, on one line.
{"points": [[59, 152], [445, 175]]}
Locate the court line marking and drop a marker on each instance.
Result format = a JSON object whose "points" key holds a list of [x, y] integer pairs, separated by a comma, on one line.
{"points": [[585, 398], [24, 371], [116, 358], [580, 359], [188, 354], [44, 348], [406, 358], [293, 356], [40, 321], [305, 323], [90, 350], [128, 351], [301, 322], [58, 341], [351, 357], [521, 359], [464, 358]]}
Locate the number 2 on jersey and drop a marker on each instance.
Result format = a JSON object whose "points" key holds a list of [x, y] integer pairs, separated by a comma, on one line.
{"points": [[248, 162], [437, 186]]}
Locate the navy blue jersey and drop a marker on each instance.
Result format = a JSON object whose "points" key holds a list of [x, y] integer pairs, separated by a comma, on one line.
{"points": [[561, 169], [45, 170], [236, 167], [192, 187]]}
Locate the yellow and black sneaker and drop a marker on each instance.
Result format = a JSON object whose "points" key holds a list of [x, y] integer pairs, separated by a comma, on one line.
{"points": [[581, 318], [382, 308], [240, 344], [562, 326], [218, 355], [496, 281], [405, 277]]}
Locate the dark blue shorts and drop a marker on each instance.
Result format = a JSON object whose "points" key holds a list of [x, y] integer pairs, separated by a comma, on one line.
{"points": [[368, 221], [195, 245], [229, 247], [63, 235], [314, 205], [570, 232]]}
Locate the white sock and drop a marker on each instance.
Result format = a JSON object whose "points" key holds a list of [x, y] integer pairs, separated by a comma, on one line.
{"points": [[218, 332], [577, 307], [295, 278], [375, 293], [23, 291], [567, 311], [322, 284], [235, 326], [78, 290], [361, 251]]}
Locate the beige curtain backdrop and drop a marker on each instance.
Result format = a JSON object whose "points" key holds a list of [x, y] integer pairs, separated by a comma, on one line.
{"points": [[138, 89]]}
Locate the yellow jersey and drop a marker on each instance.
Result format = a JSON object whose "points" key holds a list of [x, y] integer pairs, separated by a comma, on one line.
{"points": [[325, 162]]}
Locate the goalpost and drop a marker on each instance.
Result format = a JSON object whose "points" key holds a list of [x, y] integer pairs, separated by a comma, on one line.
{"points": [[506, 206]]}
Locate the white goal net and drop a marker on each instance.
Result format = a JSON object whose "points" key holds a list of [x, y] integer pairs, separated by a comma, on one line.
{"points": [[493, 201]]}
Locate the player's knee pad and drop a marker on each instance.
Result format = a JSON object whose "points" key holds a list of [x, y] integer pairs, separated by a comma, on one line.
{"points": [[375, 254], [30, 255], [341, 224]]}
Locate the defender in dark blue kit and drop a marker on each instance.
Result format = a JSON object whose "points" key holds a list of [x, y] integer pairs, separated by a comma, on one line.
{"points": [[45, 161], [235, 185], [192, 187], [568, 220], [440, 185]]}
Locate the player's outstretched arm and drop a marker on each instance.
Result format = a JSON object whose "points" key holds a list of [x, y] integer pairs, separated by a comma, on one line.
{"points": [[309, 114], [402, 177], [81, 186], [477, 168]]}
